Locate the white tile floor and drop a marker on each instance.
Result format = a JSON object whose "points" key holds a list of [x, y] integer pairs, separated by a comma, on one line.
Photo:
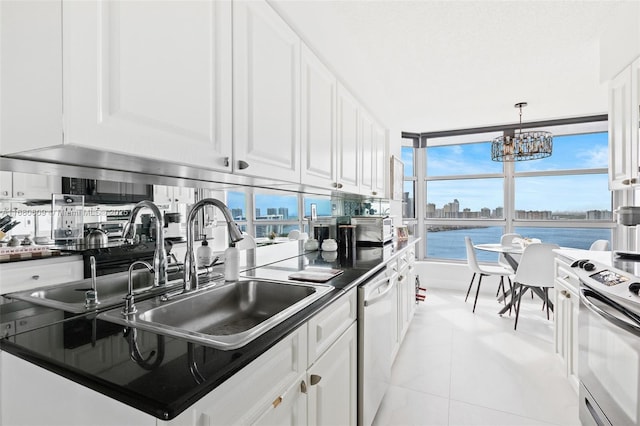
{"points": [[460, 368]]}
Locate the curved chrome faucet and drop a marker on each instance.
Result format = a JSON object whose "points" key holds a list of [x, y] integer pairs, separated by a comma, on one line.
{"points": [[160, 255], [235, 235], [129, 300]]}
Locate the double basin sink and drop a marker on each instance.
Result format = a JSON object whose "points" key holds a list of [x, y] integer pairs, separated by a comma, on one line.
{"points": [[226, 315]]}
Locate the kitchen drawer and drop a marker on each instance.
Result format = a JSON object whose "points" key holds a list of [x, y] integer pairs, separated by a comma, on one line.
{"points": [[330, 323], [566, 277], [28, 274]]}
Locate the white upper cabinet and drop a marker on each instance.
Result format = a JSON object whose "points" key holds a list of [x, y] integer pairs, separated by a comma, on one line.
{"points": [[624, 116], [367, 169], [152, 79], [348, 144], [381, 176], [318, 124], [30, 75], [266, 93]]}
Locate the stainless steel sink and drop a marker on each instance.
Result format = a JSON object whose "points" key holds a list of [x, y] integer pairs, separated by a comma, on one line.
{"points": [[226, 317], [111, 291]]}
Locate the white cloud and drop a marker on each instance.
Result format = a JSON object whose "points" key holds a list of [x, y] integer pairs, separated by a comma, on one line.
{"points": [[595, 157]]}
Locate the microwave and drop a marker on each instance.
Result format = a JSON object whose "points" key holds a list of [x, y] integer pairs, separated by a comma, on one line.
{"points": [[373, 230], [107, 192]]}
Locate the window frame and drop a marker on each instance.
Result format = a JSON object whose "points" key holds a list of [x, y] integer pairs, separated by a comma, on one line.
{"points": [[509, 176]]}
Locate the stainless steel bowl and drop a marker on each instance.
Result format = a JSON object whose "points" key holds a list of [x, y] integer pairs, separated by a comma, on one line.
{"points": [[628, 215]]}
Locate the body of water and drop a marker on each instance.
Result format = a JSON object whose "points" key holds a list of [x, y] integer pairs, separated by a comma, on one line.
{"points": [[450, 244]]}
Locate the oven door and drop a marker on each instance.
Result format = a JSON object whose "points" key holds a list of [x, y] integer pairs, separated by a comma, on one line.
{"points": [[609, 361]]}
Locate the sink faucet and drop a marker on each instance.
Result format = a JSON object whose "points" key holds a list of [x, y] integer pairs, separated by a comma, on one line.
{"points": [[129, 300], [235, 235], [160, 256]]}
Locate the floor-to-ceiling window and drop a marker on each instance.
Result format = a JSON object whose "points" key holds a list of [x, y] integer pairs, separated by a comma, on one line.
{"points": [[563, 199]]}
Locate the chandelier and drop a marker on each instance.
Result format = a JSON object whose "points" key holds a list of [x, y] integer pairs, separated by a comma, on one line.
{"points": [[522, 145]]}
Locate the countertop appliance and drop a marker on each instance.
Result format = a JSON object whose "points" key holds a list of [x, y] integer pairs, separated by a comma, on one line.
{"points": [[373, 230], [609, 347], [376, 322], [107, 192]]}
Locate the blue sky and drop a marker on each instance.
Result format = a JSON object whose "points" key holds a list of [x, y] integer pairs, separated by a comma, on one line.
{"points": [[563, 193]]}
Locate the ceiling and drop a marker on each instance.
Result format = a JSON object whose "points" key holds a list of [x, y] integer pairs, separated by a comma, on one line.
{"points": [[423, 66]]}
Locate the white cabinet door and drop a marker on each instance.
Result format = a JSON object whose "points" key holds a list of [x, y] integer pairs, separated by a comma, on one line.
{"points": [[150, 79], [32, 186], [266, 93], [162, 194], [348, 142], [332, 383], [182, 194], [318, 122], [290, 408], [622, 162], [572, 356], [380, 161], [366, 154], [635, 120], [249, 394], [560, 323], [30, 75], [6, 185]]}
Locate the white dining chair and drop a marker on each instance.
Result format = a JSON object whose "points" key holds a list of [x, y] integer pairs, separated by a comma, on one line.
{"points": [[507, 240], [483, 271], [535, 270], [601, 245]]}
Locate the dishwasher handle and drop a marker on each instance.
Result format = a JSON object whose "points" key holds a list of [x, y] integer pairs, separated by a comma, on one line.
{"points": [[379, 297]]}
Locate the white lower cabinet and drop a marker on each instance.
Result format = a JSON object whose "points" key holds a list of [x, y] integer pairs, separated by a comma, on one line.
{"points": [[278, 389], [566, 307], [32, 395], [332, 383], [40, 273]]}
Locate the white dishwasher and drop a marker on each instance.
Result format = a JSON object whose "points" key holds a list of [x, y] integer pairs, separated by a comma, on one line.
{"points": [[377, 306]]}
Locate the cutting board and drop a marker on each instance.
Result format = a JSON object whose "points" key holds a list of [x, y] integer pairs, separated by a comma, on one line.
{"points": [[316, 275]]}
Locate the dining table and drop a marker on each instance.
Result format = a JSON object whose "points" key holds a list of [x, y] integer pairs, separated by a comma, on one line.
{"points": [[509, 251]]}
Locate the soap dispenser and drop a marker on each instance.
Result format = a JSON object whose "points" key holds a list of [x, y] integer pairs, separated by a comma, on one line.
{"points": [[232, 263], [204, 254]]}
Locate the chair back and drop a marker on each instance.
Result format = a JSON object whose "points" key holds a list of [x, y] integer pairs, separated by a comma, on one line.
{"points": [[507, 240], [601, 245], [472, 260], [536, 267]]}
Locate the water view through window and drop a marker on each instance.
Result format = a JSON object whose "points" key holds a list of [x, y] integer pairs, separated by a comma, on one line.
{"points": [[447, 242], [465, 191]]}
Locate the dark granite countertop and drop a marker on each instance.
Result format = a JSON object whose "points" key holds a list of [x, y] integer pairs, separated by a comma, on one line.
{"points": [[160, 381]]}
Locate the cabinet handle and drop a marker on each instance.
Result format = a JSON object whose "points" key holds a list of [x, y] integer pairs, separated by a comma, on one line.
{"points": [[634, 181], [339, 185], [5, 193], [23, 322], [566, 294], [226, 161], [35, 277], [20, 193], [626, 182], [242, 164], [400, 278], [374, 193], [314, 379], [277, 401], [303, 387]]}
